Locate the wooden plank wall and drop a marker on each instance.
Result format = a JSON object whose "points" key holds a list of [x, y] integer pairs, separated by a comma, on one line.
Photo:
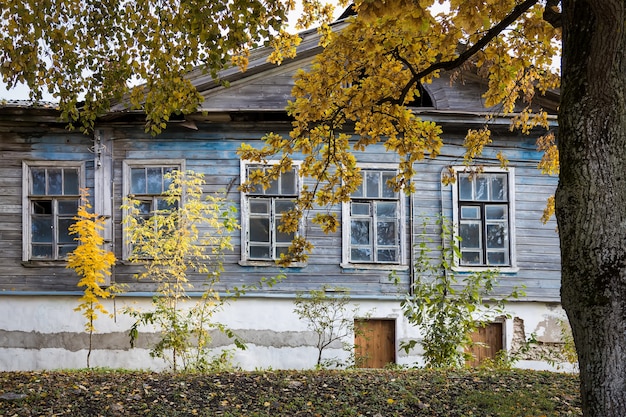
{"points": [[32, 141], [211, 150]]}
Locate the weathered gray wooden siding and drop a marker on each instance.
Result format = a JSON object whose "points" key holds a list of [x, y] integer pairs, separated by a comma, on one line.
{"points": [[19, 141], [212, 150], [261, 94], [537, 244]]}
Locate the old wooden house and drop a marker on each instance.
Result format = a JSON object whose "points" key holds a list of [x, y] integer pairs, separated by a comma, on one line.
{"points": [[43, 166]]}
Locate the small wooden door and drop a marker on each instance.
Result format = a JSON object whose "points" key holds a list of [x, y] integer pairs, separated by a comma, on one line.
{"points": [[489, 339], [374, 342]]}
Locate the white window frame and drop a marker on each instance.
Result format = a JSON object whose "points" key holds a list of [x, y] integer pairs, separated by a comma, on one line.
{"points": [[246, 259], [510, 172], [401, 200], [127, 166], [28, 197]]}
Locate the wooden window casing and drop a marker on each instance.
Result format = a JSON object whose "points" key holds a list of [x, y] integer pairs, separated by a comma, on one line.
{"points": [[144, 180], [261, 215], [51, 196], [373, 222], [484, 219]]}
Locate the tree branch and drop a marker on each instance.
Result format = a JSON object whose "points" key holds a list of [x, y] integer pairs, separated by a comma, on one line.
{"points": [[551, 13], [465, 55]]}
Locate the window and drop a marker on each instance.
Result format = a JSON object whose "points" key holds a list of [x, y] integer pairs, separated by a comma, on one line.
{"points": [[373, 226], [146, 182], [483, 213], [262, 211], [51, 200]]}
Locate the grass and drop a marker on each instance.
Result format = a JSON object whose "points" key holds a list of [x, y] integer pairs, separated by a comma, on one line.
{"points": [[381, 393]]}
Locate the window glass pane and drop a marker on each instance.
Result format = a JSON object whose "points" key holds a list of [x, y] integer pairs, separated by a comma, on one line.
{"points": [[470, 235], [387, 190], [155, 180], [496, 236], [137, 181], [71, 182], [282, 236], [42, 207], [470, 212], [288, 183], [387, 255], [360, 209], [282, 206], [386, 233], [272, 189], [495, 212], [281, 250], [256, 188], [55, 182], [481, 186], [162, 204], [64, 231], [259, 252], [38, 176], [359, 191], [372, 183], [42, 251], [386, 209], [68, 207], [498, 187], [361, 254], [259, 206], [465, 188], [470, 258], [167, 181], [360, 232], [260, 229], [64, 250], [145, 207], [41, 228], [496, 258]]}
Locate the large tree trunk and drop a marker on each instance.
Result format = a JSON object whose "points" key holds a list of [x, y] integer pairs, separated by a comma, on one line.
{"points": [[591, 197]]}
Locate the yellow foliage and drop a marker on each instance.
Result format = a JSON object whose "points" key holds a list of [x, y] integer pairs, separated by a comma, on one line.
{"points": [[475, 141], [549, 210], [191, 234], [504, 162], [549, 163], [358, 91], [188, 234], [284, 46], [91, 262], [89, 54]]}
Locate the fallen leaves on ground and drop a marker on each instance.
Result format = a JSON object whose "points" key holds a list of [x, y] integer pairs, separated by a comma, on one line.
{"points": [[375, 393]]}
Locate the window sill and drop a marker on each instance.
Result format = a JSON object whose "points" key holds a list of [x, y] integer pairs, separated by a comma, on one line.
{"points": [[379, 267], [126, 262], [62, 263], [271, 264], [504, 269]]}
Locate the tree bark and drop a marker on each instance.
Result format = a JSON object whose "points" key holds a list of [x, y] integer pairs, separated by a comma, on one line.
{"points": [[591, 197]]}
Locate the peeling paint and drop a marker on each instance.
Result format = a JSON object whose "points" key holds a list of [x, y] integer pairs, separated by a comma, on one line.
{"points": [[74, 342], [46, 333], [549, 330], [549, 346]]}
